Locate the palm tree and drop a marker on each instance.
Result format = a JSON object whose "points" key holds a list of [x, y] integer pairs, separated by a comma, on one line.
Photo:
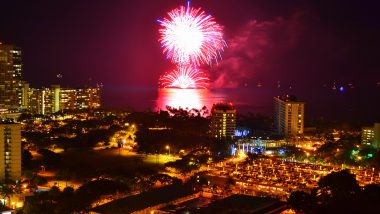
{"points": [[28, 175], [6, 190]]}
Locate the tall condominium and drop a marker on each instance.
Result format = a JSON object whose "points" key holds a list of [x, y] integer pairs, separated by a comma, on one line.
{"points": [[289, 116], [10, 77], [371, 135], [55, 98], [223, 121], [10, 151]]}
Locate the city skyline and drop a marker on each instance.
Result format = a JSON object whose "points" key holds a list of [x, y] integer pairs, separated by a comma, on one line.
{"points": [[301, 48], [179, 106]]}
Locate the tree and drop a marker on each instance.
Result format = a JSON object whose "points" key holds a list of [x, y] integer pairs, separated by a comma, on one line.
{"points": [[92, 191], [6, 190], [26, 158], [49, 157], [67, 192], [370, 198], [376, 160], [66, 201], [28, 175], [164, 179], [337, 186], [301, 201], [230, 182], [337, 192], [251, 157], [54, 194], [40, 180]]}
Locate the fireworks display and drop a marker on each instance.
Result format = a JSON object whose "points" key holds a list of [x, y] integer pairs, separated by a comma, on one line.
{"points": [[189, 38], [184, 77]]}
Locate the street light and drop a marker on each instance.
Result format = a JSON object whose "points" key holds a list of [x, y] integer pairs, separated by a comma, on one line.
{"points": [[168, 148]]}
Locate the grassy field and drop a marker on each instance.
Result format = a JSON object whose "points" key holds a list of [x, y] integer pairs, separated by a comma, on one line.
{"points": [[111, 162]]}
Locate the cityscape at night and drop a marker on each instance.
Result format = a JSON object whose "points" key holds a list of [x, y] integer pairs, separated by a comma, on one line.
{"points": [[189, 106]]}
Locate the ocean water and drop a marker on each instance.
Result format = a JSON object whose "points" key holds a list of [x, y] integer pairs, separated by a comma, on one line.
{"points": [[354, 105]]}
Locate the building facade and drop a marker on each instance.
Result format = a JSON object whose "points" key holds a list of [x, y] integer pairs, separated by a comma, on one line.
{"points": [[10, 77], [15, 94], [371, 135], [289, 116], [223, 121], [55, 98], [10, 151]]}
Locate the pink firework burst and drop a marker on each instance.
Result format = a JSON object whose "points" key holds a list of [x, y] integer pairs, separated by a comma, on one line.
{"points": [[184, 77], [189, 36]]}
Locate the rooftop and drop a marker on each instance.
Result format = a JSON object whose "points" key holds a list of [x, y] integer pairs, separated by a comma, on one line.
{"points": [[144, 200], [244, 204], [223, 106], [288, 98]]}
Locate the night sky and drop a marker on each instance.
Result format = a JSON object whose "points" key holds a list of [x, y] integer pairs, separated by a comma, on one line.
{"points": [[308, 45]]}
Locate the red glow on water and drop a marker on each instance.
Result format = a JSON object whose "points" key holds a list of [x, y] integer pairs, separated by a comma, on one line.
{"points": [[187, 98]]}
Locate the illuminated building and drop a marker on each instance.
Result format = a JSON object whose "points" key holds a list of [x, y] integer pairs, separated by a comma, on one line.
{"points": [[371, 135], [223, 121], [88, 98], [289, 116], [34, 100], [10, 77], [10, 151], [55, 98], [24, 92], [251, 145], [68, 98]]}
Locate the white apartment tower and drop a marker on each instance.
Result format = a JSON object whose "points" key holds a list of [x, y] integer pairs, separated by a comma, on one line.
{"points": [[289, 116]]}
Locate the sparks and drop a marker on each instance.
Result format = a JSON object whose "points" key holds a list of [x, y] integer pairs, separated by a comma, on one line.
{"points": [[184, 77], [189, 36]]}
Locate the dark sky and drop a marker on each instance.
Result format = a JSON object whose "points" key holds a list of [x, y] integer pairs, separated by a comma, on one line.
{"points": [[308, 45]]}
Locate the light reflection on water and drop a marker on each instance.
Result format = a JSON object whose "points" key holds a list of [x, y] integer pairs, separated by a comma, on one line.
{"points": [[153, 99], [187, 98], [328, 103]]}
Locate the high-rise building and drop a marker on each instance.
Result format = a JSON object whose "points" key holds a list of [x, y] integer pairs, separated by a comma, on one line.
{"points": [[289, 116], [34, 100], [25, 93], [55, 98], [10, 151], [68, 98], [223, 121], [10, 77], [371, 135], [88, 98]]}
